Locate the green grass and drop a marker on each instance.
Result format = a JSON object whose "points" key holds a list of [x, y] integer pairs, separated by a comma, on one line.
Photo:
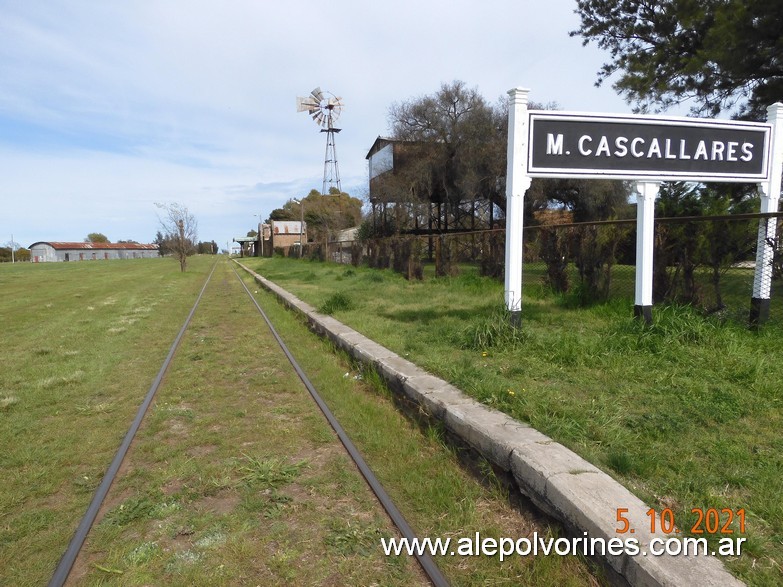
{"points": [[82, 343], [220, 486], [269, 473], [685, 412], [422, 474], [234, 476]]}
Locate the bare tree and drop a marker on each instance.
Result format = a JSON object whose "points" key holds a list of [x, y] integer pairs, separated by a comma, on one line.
{"points": [[180, 231], [455, 146]]}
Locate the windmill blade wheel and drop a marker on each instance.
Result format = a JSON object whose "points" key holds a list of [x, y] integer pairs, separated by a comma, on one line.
{"points": [[323, 107]]}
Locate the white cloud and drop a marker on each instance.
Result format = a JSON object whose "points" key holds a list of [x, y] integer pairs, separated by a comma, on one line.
{"points": [[108, 107]]}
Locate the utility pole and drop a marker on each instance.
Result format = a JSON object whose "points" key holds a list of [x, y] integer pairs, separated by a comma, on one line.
{"points": [[301, 229], [301, 226], [13, 260], [260, 235]]}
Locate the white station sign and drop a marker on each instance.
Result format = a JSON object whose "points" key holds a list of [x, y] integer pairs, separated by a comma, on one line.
{"points": [[563, 144]]}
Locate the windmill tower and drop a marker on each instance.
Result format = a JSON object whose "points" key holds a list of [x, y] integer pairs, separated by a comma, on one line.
{"points": [[325, 108]]}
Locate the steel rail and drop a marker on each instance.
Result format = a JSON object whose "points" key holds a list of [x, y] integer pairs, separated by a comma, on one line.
{"points": [[424, 559], [68, 559]]}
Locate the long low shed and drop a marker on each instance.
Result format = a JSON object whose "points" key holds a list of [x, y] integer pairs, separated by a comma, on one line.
{"points": [[46, 252]]}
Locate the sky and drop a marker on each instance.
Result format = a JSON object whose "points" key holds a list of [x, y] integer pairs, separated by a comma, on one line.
{"points": [[109, 107]]}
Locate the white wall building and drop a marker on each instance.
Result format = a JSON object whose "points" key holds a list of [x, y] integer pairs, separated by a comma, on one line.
{"points": [[45, 252]]}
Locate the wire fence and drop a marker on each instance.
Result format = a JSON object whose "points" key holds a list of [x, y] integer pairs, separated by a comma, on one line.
{"points": [[705, 262]]}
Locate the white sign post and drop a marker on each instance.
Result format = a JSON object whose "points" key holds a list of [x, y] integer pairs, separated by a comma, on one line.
{"points": [[646, 192], [770, 197], [517, 183], [646, 150]]}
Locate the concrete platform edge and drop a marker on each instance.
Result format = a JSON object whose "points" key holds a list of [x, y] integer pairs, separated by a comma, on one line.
{"points": [[557, 480]]}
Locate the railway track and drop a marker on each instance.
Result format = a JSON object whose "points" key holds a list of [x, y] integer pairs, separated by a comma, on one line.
{"points": [[75, 547]]}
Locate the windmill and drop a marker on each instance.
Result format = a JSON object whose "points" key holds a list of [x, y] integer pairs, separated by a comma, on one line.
{"points": [[325, 108]]}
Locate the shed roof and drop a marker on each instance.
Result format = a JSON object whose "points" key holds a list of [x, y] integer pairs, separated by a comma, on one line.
{"points": [[58, 245], [379, 144]]}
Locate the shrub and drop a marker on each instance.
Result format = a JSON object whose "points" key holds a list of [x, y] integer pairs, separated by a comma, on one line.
{"points": [[493, 331], [336, 302]]}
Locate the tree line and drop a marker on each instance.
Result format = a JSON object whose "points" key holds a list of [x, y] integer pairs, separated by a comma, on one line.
{"points": [[718, 56], [324, 214], [17, 253]]}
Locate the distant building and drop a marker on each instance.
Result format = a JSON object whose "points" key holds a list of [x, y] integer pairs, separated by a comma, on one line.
{"points": [[279, 235], [248, 245], [266, 241], [341, 248], [554, 216], [347, 235], [288, 233], [394, 165], [46, 252]]}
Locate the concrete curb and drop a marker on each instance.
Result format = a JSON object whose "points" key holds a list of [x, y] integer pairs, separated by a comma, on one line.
{"points": [[557, 480]]}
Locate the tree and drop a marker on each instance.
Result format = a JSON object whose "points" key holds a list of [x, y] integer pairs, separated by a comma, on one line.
{"points": [[586, 199], [180, 229], [722, 54], [681, 248], [13, 252], [96, 237], [457, 146], [279, 214], [10, 251], [207, 248], [323, 214], [163, 244]]}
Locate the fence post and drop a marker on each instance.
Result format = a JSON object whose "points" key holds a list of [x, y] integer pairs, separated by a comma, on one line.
{"points": [[765, 247], [517, 183], [646, 191]]}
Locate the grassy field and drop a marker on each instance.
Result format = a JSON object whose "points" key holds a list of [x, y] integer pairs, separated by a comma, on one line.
{"points": [[686, 412], [81, 344], [234, 477]]}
